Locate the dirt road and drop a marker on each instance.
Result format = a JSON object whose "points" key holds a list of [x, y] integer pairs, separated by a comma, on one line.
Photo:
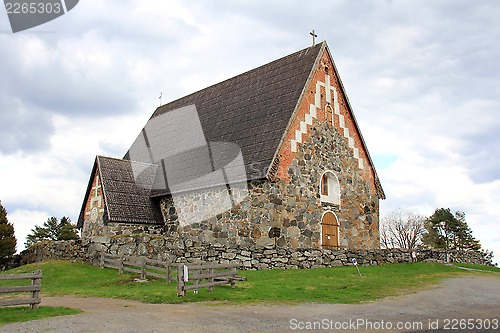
{"points": [[456, 304]]}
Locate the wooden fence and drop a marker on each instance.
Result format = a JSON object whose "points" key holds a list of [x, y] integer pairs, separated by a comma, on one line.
{"points": [[189, 276], [213, 274], [34, 288], [141, 265]]}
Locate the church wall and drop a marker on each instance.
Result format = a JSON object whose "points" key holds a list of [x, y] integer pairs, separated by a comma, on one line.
{"points": [[293, 205], [358, 212], [113, 229]]}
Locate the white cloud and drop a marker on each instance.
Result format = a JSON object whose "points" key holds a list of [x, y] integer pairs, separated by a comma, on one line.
{"points": [[23, 221]]}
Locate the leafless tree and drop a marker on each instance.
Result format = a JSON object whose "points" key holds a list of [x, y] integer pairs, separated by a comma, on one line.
{"points": [[401, 229]]}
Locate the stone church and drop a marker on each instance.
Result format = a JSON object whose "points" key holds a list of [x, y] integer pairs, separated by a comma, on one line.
{"points": [[271, 157]]}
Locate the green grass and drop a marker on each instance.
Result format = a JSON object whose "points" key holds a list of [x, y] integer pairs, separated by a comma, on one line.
{"points": [[479, 267], [321, 285], [24, 313]]}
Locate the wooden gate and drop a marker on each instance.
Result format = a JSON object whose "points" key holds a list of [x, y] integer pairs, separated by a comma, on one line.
{"points": [[330, 231]]}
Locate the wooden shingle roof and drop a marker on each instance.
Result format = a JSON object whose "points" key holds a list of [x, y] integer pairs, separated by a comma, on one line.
{"points": [[126, 197], [253, 109]]}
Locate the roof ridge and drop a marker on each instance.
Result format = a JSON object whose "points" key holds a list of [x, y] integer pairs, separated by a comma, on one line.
{"points": [[323, 45], [123, 160]]}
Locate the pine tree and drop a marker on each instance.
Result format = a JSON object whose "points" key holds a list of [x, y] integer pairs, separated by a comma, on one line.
{"points": [[7, 238], [53, 230], [464, 234], [67, 230], [445, 230]]}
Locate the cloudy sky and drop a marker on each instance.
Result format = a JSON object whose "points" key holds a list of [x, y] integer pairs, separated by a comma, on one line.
{"points": [[422, 77]]}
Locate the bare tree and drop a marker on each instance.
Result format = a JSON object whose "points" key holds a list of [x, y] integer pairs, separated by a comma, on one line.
{"points": [[386, 240], [401, 229]]}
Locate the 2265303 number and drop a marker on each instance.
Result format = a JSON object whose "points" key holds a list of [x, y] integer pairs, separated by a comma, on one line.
{"points": [[33, 8], [471, 324]]}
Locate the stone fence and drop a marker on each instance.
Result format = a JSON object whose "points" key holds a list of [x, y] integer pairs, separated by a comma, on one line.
{"points": [[49, 250], [248, 257]]}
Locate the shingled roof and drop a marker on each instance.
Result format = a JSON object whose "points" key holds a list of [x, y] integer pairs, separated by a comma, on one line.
{"points": [[126, 198], [252, 109]]}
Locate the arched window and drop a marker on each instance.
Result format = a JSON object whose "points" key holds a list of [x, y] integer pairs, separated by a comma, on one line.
{"points": [[330, 188], [328, 108]]}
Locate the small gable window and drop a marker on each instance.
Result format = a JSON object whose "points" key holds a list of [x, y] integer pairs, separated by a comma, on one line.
{"points": [[330, 188]]}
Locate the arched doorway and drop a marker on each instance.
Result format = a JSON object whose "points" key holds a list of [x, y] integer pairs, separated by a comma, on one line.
{"points": [[329, 231]]}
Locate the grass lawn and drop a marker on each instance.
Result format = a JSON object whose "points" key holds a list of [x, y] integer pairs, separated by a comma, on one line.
{"points": [[25, 313], [321, 285]]}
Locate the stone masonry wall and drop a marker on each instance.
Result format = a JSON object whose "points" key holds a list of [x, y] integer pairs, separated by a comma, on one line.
{"points": [[52, 250], [293, 205], [254, 258]]}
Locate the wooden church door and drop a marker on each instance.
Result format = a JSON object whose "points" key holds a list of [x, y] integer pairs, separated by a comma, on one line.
{"points": [[330, 231]]}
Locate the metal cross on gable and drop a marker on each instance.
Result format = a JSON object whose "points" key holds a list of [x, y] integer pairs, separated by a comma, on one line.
{"points": [[313, 36]]}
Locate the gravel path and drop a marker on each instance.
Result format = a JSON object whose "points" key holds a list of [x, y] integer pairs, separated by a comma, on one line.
{"points": [[474, 297]]}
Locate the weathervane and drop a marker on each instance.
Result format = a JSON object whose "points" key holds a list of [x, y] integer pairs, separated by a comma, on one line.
{"points": [[161, 93], [313, 36]]}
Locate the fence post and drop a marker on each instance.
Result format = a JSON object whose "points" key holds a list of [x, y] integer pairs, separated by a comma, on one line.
{"points": [[211, 271], [167, 277], [196, 282], [101, 260], [234, 272], [180, 280], [37, 281]]}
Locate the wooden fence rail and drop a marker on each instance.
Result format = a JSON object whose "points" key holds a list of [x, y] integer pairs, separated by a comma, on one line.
{"points": [[140, 265], [189, 276], [36, 286], [213, 274]]}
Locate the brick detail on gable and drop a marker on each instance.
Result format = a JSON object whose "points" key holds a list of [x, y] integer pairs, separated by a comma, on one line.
{"points": [[94, 209], [324, 101], [313, 112], [308, 119]]}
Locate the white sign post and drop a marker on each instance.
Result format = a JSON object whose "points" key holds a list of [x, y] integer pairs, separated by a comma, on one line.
{"points": [[355, 262], [186, 274]]}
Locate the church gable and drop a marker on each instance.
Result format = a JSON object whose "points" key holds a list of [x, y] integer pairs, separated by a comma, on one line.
{"points": [[324, 100], [92, 212], [119, 191]]}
